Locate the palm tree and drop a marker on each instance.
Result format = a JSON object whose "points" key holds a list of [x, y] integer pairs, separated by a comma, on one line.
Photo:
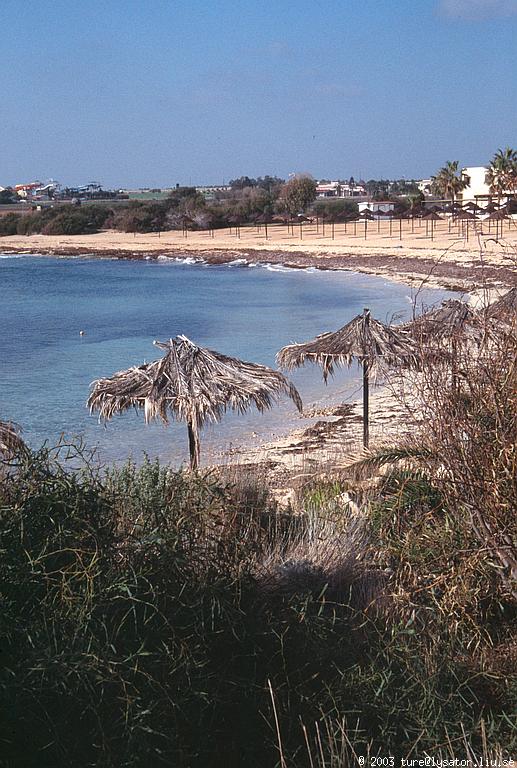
{"points": [[502, 172], [448, 182]]}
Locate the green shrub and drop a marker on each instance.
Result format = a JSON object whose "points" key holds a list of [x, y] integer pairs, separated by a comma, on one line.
{"points": [[9, 224], [142, 624]]}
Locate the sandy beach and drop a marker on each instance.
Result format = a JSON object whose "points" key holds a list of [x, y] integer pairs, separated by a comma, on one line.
{"points": [[450, 260]]}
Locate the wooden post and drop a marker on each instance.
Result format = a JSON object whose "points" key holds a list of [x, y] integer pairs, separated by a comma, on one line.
{"points": [[366, 387], [400, 228], [366, 393], [365, 227], [332, 230], [193, 445]]}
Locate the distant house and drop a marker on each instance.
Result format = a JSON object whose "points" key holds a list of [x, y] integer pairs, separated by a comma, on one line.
{"points": [[27, 191], [210, 193], [339, 189], [477, 187], [424, 186], [329, 189]]}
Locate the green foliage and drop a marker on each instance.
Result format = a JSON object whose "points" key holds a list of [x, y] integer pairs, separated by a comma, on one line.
{"points": [[297, 194], [449, 181], [502, 171], [137, 628], [8, 196], [9, 224], [336, 210], [64, 220]]}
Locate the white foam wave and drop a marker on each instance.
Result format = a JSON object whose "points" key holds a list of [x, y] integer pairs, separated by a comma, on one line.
{"points": [[237, 263]]}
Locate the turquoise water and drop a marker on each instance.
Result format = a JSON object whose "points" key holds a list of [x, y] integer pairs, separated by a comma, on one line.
{"points": [[249, 312]]}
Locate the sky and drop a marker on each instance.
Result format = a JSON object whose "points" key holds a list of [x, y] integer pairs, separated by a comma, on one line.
{"points": [[135, 93]]}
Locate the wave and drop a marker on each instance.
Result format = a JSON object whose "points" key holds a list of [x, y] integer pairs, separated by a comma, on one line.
{"points": [[237, 263], [15, 255], [186, 259], [277, 268]]}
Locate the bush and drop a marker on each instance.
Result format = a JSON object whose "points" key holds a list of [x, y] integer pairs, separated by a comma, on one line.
{"points": [[64, 220], [9, 224], [153, 617]]}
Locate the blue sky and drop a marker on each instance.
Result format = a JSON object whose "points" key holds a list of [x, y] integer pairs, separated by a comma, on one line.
{"points": [[154, 92]]}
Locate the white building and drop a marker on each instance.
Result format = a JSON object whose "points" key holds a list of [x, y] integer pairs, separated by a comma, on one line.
{"points": [[340, 189], [424, 186], [477, 187], [376, 207]]}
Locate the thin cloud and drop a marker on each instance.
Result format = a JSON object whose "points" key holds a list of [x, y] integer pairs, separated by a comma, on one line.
{"points": [[477, 9]]}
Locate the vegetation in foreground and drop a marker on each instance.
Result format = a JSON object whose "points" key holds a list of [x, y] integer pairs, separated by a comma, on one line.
{"points": [[153, 617]]}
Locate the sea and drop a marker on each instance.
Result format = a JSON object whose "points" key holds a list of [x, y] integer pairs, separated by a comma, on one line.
{"points": [[242, 309]]}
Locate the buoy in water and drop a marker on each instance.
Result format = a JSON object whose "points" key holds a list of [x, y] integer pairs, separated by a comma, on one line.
{"points": [[81, 333]]}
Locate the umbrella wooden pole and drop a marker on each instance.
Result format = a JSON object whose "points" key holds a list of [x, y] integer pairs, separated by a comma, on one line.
{"points": [[332, 230], [193, 445], [366, 404]]}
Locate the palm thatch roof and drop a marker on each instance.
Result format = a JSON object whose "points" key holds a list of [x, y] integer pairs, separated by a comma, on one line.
{"points": [[504, 307], [497, 215], [362, 339], [191, 384], [451, 319], [10, 441], [464, 215]]}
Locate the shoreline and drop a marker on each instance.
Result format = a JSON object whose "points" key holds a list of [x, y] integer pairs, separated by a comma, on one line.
{"points": [[337, 429], [448, 266]]}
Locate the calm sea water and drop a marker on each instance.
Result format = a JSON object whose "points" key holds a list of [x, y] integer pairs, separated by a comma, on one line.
{"points": [[46, 366]]}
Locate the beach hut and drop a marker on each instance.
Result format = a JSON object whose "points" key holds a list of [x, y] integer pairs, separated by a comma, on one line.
{"points": [[368, 341], [190, 384]]}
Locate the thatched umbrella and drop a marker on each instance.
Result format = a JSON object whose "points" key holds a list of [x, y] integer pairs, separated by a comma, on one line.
{"points": [[474, 207], [451, 318], [465, 215], [505, 307], [438, 331], [497, 216], [432, 216], [364, 339], [191, 384], [10, 441], [265, 219]]}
